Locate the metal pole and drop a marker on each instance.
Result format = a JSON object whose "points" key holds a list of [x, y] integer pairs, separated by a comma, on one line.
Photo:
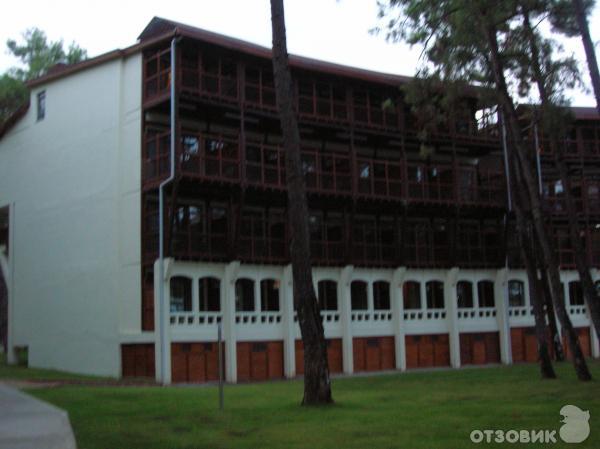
{"points": [[220, 338]]}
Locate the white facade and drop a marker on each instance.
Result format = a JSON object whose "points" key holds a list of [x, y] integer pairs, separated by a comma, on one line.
{"points": [[72, 182]]}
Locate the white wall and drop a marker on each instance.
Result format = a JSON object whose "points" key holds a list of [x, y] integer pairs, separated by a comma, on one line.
{"points": [[74, 181]]}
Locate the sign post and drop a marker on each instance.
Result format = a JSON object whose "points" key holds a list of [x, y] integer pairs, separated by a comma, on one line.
{"points": [[220, 346]]}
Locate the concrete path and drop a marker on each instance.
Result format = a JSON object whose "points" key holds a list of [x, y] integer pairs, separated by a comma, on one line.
{"points": [[28, 423]]}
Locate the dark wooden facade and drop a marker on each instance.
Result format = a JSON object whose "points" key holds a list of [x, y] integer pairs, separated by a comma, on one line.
{"points": [[374, 199]]}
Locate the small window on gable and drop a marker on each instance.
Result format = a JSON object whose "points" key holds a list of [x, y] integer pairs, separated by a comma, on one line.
{"points": [[41, 105]]}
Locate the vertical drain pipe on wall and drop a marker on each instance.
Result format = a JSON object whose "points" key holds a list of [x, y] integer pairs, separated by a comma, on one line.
{"points": [[161, 204]]}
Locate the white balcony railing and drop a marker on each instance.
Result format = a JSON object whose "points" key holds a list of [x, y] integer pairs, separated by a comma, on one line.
{"points": [[195, 318], [262, 318]]}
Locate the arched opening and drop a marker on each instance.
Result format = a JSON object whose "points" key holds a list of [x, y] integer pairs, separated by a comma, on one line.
{"points": [[181, 294], [358, 295], [576, 294], [435, 294], [516, 293], [381, 295], [412, 295], [327, 292], [464, 294], [485, 293], [269, 295], [209, 294], [244, 295]]}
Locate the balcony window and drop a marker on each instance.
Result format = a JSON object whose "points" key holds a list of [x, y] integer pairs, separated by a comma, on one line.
{"points": [[327, 291], [576, 294], [244, 295], [464, 294], [516, 293], [381, 295], [358, 295], [412, 295], [181, 294], [209, 292], [269, 295], [485, 292], [435, 294]]}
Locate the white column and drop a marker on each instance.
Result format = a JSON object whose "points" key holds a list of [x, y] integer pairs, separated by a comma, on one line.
{"points": [[595, 343], [370, 300], [289, 326], [5, 269], [228, 307], [451, 301], [257, 299], [501, 302], [345, 305], [398, 317], [195, 296], [165, 377], [593, 334]]}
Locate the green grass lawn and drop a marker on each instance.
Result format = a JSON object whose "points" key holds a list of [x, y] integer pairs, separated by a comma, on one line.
{"points": [[413, 410]]}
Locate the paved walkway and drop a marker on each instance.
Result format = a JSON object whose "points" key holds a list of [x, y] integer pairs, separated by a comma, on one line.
{"points": [[28, 423]]}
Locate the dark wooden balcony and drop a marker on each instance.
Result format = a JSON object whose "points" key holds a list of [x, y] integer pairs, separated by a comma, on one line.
{"points": [[205, 230], [225, 159], [573, 149], [227, 78], [584, 192]]}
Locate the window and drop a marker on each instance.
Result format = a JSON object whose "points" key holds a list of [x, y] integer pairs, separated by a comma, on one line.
{"points": [[485, 291], [181, 294], [244, 295], [575, 293], [327, 295], [516, 294], [381, 295], [412, 295], [209, 290], [464, 293], [358, 295], [41, 105], [269, 295], [435, 294]]}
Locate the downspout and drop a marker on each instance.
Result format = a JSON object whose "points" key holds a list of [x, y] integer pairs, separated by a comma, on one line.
{"points": [[161, 204], [538, 163]]}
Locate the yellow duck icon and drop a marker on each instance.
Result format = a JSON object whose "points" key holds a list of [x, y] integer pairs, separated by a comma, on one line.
{"points": [[575, 428]]}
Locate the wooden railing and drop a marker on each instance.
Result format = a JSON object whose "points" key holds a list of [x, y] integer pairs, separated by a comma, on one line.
{"points": [[219, 78], [223, 158], [585, 194]]}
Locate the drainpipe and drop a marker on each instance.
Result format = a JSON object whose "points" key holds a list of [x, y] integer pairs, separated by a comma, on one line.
{"points": [[506, 170], [161, 204], [537, 159]]}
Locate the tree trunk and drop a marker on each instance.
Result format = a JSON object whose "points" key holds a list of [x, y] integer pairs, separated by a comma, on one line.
{"points": [[590, 51], [524, 233], [559, 354], [549, 258], [317, 385], [557, 150]]}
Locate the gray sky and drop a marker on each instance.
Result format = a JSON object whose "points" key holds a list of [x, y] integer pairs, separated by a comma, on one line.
{"points": [[330, 30]]}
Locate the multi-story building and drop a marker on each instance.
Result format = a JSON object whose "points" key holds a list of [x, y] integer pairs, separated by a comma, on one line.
{"points": [[412, 264]]}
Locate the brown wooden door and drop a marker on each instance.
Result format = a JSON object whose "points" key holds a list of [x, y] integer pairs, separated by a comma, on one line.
{"points": [[259, 361], [424, 351], [373, 353], [334, 356], [194, 362]]}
